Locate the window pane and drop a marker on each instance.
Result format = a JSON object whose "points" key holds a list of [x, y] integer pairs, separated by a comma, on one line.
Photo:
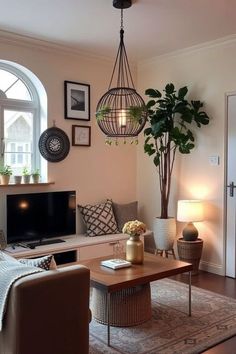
{"points": [[6, 79], [13, 87], [13, 159], [18, 133]]}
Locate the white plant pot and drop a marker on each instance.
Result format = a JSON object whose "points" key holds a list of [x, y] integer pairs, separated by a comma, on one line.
{"points": [[35, 178], [26, 179], [4, 179], [17, 179], [164, 231]]}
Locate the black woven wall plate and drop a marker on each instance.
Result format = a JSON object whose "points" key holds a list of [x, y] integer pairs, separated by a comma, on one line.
{"points": [[54, 144]]}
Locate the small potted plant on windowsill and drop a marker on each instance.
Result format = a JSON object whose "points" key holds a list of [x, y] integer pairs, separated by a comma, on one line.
{"points": [[26, 175], [17, 179], [35, 175], [5, 174]]}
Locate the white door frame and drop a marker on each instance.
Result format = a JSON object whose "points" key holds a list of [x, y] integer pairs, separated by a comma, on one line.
{"points": [[226, 189]]}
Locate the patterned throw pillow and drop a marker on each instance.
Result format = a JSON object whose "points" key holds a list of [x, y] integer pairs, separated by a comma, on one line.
{"points": [[124, 213], [99, 219], [45, 262]]}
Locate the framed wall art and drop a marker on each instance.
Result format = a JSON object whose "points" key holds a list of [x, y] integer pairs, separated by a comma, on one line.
{"points": [[77, 100], [81, 135]]}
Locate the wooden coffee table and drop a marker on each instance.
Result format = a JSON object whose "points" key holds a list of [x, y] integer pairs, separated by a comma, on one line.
{"points": [[130, 286]]}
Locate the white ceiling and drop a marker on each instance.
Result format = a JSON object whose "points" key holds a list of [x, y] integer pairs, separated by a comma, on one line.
{"points": [[152, 27]]}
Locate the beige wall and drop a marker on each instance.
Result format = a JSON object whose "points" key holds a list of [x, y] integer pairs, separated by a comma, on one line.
{"points": [[101, 171], [97, 172], [209, 73]]}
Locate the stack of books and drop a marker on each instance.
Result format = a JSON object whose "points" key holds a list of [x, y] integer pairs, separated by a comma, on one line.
{"points": [[116, 263]]}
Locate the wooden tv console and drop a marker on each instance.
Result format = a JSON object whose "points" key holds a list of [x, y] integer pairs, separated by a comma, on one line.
{"points": [[75, 248]]}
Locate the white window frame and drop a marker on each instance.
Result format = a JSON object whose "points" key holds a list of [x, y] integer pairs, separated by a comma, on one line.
{"points": [[24, 106]]}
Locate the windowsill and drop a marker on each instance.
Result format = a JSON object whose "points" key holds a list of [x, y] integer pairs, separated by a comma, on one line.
{"points": [[26, 184]]}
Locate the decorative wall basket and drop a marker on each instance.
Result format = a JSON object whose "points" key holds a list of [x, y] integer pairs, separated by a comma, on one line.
{"points": [[164, 231]]}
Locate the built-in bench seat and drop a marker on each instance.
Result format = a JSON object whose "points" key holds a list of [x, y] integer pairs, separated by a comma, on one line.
{"points": [[75, 247]]}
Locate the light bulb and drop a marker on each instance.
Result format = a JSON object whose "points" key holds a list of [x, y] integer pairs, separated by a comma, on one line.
{"points": [[122, 118]]}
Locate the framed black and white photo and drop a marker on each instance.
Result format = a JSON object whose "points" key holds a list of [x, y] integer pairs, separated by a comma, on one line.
{"points": [[81, 135], [77, 100]]}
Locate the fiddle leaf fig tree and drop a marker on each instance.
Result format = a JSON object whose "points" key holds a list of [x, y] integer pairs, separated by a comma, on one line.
{"points": [[170, 117]]}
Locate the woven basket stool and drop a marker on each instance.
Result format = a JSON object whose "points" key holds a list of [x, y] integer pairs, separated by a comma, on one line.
{"points": [[128, 307], [190, 251]]}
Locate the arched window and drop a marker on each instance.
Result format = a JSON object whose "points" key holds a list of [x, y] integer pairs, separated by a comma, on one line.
{"points": [[20, 119]]}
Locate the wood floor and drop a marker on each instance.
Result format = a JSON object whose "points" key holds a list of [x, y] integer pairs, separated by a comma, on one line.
{"points": [[221, 285]]}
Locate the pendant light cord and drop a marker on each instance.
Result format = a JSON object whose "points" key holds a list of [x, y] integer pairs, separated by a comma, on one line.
{"points": [[124, 78], [121, 20]]}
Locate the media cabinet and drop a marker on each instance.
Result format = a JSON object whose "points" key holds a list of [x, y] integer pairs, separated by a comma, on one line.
{"points": [[75, 248]]}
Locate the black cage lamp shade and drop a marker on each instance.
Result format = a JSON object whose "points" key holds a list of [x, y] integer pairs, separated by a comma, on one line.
{"points": [[121, 110]]}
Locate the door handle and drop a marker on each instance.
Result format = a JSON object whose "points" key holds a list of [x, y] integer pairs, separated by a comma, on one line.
{"points": [[231, 187]]}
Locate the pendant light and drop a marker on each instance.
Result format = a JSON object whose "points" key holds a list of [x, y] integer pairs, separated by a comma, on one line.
{"points": [[121, 110]]}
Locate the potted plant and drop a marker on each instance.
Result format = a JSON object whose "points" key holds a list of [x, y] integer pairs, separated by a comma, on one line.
{"points": [[26, 175], [5, 174], [17, 179], [35, 175], [170, 117]]}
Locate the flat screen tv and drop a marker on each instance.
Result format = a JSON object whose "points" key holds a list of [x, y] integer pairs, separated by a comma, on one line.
{"points": [[38, 216]]}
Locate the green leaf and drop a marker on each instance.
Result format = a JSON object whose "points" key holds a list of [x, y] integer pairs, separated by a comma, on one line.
{"points": [[162, 148], [136, 113], [197, 105], [187, 116], [169, 89], [149, 149], [147, 139], [191, 146], [157, 128], [190, 135], [150, 104], [185, 148], [181, 107], [203, 118], [156, 160], [102, 112], [153, 93], [182, 92], [147, 131]]}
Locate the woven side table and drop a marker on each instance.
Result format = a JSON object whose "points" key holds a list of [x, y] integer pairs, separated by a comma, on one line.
{"points": [[128, 307], [191, 252]]}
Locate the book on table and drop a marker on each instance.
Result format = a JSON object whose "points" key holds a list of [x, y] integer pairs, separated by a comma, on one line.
{"points": [[116, 263]]}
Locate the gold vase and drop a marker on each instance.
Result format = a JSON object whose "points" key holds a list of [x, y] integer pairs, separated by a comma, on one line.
{"points": [[134, 250]]}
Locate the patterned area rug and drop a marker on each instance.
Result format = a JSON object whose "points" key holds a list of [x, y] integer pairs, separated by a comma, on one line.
{"points": [[171, 330]]}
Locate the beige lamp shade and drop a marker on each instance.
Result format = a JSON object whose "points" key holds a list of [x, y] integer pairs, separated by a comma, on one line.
{"points": [[190, 210]]}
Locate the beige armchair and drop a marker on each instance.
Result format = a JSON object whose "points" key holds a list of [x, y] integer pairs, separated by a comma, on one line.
{"points": [[48, 313]]}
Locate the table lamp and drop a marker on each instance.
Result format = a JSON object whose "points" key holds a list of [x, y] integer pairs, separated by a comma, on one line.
{"points": [[190, 211]]}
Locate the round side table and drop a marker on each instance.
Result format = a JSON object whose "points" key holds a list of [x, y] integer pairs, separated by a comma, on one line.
{"points": [[191, 252]]}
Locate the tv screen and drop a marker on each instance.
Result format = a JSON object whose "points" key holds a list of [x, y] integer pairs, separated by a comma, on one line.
{"points": [[35, 216]]}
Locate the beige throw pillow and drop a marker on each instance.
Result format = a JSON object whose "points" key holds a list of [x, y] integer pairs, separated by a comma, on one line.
{"points": [[124, 213]]}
